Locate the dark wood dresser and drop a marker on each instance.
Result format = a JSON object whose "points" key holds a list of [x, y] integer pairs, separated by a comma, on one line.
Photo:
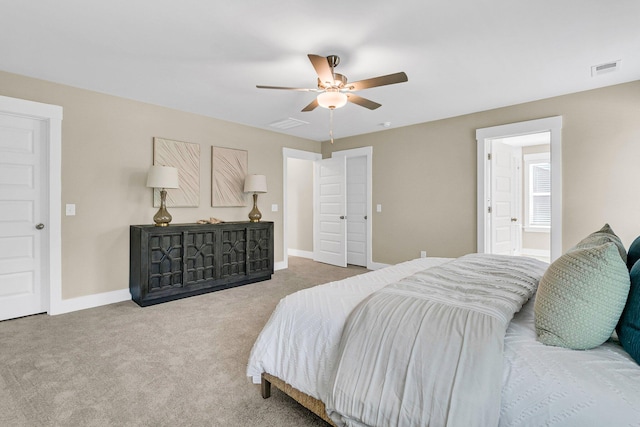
{"points": [[182, 260]]}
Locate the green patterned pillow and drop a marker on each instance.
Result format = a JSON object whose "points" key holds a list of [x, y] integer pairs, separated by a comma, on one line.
{"points": [[581, 296], [604, 235]]}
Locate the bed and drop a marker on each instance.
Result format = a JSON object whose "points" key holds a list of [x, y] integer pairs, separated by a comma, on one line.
{"points": [[302, 349]]}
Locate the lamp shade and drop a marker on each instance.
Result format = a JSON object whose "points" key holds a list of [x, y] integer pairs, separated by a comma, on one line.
{"points": [[332, 99], [255, 184], [162, 177]]}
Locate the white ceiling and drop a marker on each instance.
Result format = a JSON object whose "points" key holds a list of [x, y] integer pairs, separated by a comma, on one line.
{"points": [[206, 56]]}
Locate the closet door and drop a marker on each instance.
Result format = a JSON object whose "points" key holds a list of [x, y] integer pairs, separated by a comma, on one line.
{"points": [[357, 211], [330, 214]]}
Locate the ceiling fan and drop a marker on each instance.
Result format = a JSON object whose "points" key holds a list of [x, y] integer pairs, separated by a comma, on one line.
{"points": [[334, 91]]}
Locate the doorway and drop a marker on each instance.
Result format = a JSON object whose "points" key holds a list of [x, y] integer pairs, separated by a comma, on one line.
{"points": [[515, 214], [299, 207], [356, 208], [295, 161], [520, 196]]}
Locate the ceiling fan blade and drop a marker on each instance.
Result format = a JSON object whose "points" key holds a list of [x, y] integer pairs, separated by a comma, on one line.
{"points": [[321, 65], [300, 89], [389, 79], [363, 102], [312, 106]]}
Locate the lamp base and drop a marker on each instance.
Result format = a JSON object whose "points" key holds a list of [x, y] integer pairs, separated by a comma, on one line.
{"points": [[162, 218], [255, 215]]}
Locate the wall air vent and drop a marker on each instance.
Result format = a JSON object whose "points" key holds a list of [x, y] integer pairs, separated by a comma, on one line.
{"points": [[608, 67], [288, 123]]}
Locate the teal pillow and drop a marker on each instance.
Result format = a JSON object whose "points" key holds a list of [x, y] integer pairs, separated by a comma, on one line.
{"points": [[629, 326], [581, 297], [634, 253], [604, 235]]}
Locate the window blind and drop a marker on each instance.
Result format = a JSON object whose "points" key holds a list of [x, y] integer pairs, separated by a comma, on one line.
{"points": [[540, 194]]}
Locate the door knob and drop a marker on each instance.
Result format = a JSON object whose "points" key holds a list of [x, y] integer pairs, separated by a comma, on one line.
{"points": [[40, 226], [342, 217], [365, 217], [514, 219]]}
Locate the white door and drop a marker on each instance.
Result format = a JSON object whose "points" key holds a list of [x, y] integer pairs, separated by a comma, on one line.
{"points": [[22, 215], [503, 216], [329, 223], [357, 211]]}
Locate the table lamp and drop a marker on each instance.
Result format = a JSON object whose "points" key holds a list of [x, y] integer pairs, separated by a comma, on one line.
{"points": [[255, 184], [162, 177]]}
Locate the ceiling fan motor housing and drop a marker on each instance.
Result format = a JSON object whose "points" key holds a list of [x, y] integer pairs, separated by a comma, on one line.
{"points": [[339, 82]]}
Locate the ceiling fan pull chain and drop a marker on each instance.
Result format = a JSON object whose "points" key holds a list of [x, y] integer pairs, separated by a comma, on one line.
{"points": [[331, 125]]}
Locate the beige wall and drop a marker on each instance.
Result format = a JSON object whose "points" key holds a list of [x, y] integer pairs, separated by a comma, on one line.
{"points": [[425, 175], [107, 147], [300, 204]]}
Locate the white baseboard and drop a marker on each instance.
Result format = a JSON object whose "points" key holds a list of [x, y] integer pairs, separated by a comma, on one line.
{"points": [[377, 266], [540, 254], [299, 253], [105, 298], [90, 301], [534, 252]]}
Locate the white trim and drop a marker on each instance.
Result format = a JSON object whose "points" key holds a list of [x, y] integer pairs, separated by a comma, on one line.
{"points": [[540, 254], [534, 252], [280, 265], [290, 153], [485, 135], [368, 153], [92, 301], [299, 253], [377, 266], [52, 116], [537, 229], [33, 109]]}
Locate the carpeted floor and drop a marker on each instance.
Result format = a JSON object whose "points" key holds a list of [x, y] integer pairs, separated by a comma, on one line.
{"points": [[180, 363]]}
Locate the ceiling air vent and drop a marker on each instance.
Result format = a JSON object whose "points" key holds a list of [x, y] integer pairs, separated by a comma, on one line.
{"points": [[608, 67], [288, 123]]}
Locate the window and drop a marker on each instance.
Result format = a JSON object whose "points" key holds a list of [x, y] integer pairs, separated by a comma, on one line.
{"points": [[537, 189]]}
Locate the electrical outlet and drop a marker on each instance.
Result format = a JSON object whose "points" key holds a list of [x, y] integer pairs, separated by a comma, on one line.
{"points": [[378, 208], [423, 254], [70, 209], [274, 208]]}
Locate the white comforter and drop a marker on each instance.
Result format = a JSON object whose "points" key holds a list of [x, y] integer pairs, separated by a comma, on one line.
{"points": [[427, 350], [300, 341], [542, 386]]}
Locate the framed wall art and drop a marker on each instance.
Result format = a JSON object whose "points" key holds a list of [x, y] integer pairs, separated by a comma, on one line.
{"points": [[184, 156], [228, 170]]}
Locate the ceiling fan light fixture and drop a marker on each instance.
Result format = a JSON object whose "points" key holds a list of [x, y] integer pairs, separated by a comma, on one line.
{"points": [[332, 99]]}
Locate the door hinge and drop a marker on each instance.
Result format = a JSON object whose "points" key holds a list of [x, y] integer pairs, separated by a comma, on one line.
{"points": [[489, 209], [489, 156]]}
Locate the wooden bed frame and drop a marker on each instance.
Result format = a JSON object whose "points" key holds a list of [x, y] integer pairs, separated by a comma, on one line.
{"points": [[314, 405]]}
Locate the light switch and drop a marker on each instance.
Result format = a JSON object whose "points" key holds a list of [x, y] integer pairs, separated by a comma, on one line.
{"points": [[274, 208], [378, 208], [70, 209]]}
